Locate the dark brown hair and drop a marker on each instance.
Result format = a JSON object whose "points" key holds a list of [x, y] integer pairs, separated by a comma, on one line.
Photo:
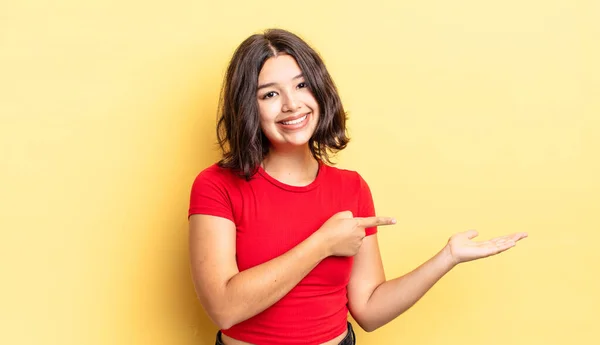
{"points": [[240, 137]]}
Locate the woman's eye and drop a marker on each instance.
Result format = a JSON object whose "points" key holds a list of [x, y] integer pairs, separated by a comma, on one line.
{"points": [[269, 95], [302, 85]]}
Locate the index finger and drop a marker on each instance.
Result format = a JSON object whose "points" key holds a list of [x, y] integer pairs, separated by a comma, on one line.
{"points": [[370, 222], [512, 237]]}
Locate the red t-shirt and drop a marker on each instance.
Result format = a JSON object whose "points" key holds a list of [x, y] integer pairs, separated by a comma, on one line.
{"points": [[272, 218]]}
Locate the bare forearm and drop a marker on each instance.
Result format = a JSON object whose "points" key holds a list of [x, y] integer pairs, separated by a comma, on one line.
{"points": [[394, 297], [252, 291]]}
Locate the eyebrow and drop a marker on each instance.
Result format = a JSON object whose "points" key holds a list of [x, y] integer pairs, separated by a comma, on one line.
{"points": [[301, 75]]}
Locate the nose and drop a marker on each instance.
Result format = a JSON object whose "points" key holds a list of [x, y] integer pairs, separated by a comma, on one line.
{"points": [[290, 103]]}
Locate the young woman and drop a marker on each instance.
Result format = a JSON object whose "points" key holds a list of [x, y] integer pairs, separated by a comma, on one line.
{"points": [[283, 245]]}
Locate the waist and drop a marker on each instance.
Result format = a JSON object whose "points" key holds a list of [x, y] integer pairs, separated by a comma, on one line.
{"points": [[295, 321], [346, 338]]}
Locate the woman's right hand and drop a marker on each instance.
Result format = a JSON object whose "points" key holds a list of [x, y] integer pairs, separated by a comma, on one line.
{"points": [[343, 233]]}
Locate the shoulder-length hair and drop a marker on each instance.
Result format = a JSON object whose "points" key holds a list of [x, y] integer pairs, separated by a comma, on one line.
{"points": [[239, 134]]}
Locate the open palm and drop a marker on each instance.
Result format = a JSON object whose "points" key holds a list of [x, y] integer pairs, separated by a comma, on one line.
{"points": [[463, 248]]}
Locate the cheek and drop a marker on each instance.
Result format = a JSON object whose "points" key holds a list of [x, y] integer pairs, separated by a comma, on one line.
{"points": [[263, 118], [311, 102], [268, 111]]}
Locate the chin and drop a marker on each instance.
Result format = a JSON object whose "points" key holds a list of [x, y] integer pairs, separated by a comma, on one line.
{"points": [[290, 143], [289, 140]]}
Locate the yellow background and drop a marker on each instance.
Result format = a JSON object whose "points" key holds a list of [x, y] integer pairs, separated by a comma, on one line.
{"points": [[463, 114]]}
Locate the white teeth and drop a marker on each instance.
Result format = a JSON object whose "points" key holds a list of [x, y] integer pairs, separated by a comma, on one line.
{"points": [[296, 121]]}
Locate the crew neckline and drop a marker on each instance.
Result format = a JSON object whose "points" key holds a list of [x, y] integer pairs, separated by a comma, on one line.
{"points": [[285, 186]]}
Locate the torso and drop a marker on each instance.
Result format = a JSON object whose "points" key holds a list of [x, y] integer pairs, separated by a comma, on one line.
{"points": [[272, 218]]}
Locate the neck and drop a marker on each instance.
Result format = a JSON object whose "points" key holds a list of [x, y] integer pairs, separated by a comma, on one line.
{"points": [[296, 168]]}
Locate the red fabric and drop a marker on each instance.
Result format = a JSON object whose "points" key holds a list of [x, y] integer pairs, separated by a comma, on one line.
{"points": [[272, 218]]}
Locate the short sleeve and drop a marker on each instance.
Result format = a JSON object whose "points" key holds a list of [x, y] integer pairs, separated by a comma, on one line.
{"points": [[209, 195], [366, 207]]}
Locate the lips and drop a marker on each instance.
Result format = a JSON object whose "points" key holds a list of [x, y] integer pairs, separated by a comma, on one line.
{"points": [[295, 122], [294, 119]]}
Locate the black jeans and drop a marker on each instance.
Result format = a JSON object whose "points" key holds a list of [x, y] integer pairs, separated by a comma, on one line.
{"points": [[349, 339]]}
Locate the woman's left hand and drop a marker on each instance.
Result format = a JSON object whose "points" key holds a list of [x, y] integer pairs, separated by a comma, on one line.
{"points": [[462, 248]]}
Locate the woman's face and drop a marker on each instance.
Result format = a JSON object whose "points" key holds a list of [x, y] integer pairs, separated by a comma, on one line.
{"points": [[289, 113]]}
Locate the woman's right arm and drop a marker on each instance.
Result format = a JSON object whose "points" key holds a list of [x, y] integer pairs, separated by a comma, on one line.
{"points": [[230, 296]]}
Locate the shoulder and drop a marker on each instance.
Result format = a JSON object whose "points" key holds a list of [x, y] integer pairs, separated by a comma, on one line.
{"points": [[217, 179], [214, 193], [215, 171], [215, 174], [352, 186], [351, 182], [347, 176]]}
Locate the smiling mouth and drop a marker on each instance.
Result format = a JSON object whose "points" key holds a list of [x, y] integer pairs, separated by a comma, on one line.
{"points": [[296, 121]]}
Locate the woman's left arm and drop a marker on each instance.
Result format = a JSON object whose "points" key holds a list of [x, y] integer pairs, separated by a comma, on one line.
{"points": [[373, 301]]}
